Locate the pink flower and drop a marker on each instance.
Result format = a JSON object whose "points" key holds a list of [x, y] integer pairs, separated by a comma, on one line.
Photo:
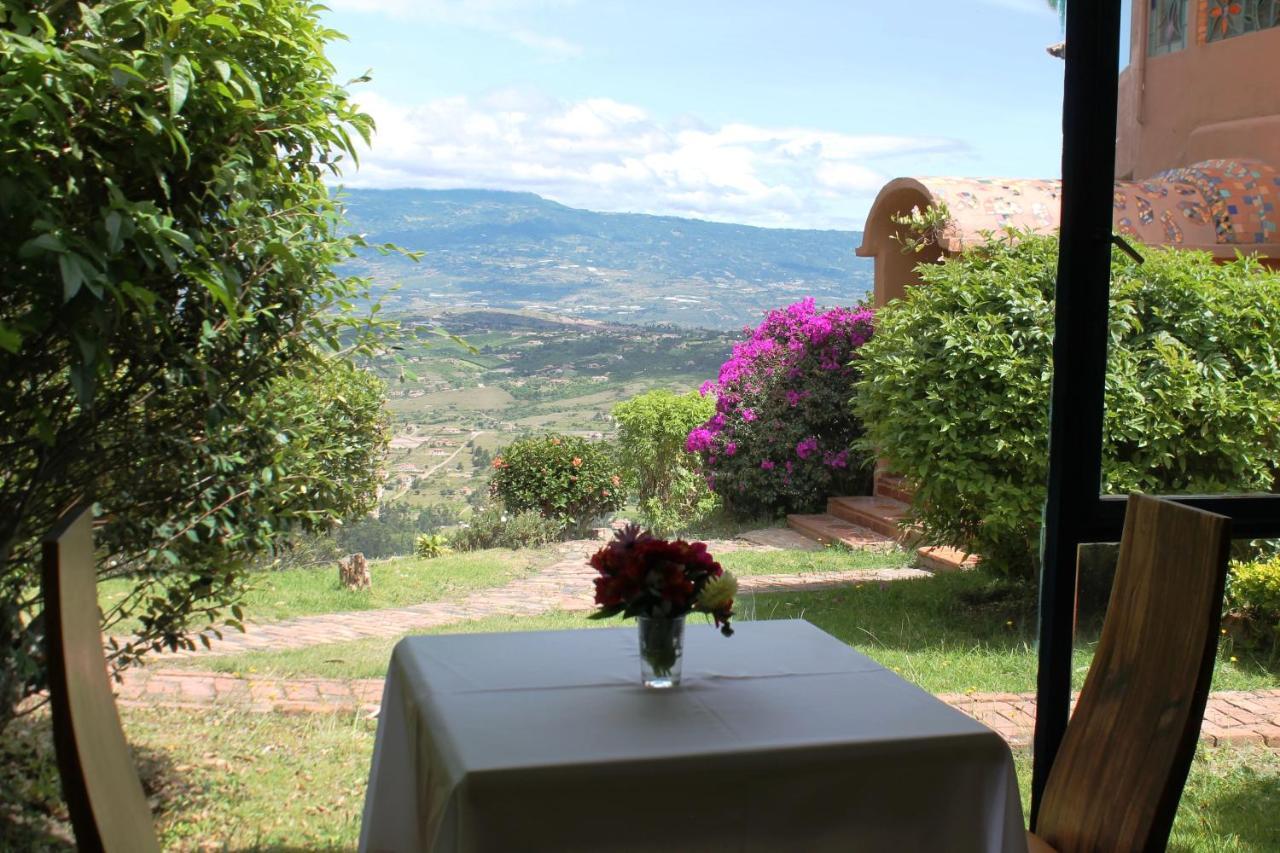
{"points": [[730, 448], [794, 397], [807, 447], [748, 415], [699, 440], [766, 464]]}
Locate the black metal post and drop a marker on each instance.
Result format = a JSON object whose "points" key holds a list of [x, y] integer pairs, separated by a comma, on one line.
{"points": [[1079, 354]]}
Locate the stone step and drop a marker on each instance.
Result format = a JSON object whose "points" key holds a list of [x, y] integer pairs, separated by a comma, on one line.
{"points": [[940, 558], [879, 514], [828, 529], [893, 487]]}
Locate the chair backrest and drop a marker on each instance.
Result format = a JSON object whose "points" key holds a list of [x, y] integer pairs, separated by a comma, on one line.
{"points": [[1119, 773], [108, 808]]}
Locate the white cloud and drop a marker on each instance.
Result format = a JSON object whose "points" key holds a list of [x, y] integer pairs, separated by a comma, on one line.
{"points": [[606, 155], [498, 17]]}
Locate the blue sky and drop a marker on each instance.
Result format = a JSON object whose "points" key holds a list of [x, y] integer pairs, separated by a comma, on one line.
{"points": [[770, 113]]}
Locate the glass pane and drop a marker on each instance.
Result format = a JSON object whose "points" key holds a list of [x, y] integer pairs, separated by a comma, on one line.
{"points": [[1166, 26]]}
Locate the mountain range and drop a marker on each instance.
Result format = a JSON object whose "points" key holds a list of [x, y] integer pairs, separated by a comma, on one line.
{"points": [[493, 249]]}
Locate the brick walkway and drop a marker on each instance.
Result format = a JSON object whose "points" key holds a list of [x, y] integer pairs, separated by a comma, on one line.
{"points": [[563, 586], [1232, 717]]}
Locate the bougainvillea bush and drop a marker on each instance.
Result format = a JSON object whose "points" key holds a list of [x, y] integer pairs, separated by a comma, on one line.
{"points": [[782, 436], [956, 385], [562, 477]]}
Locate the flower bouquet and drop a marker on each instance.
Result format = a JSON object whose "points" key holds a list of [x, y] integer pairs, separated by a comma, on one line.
{"points": [[660, 582]]}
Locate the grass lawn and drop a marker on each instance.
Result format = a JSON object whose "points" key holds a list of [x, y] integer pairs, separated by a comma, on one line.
{"points": [[949, 634], [1231, 801], [397, 582], [233, 780], [961, 632], [754, 562]]}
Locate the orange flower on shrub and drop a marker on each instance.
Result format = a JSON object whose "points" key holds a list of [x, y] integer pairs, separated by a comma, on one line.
{"points": [[577, 462]]}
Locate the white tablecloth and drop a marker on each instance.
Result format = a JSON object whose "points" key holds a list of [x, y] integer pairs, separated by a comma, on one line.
{"points": [[780, 738]]}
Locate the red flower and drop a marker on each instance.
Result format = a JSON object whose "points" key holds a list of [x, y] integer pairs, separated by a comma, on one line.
{"points": [[643, 575]]}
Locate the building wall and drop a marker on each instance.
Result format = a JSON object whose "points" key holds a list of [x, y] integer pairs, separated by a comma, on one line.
{"points": [[1219, 97]]}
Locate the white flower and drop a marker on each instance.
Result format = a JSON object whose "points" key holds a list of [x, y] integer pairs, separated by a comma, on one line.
{"points": [[718, 593]]}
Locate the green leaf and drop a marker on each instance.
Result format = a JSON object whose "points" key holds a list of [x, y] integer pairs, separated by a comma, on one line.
{"points": [[222, 22], [10, 338], [180, 78], [92, 20], [72, 275], [41, 243], [113, 221]]}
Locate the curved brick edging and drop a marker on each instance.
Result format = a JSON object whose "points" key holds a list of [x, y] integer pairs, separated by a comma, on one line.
{"points": [[1232, 717]]}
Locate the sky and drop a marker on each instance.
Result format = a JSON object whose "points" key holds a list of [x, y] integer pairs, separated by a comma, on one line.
{"points": [[778, 113]]}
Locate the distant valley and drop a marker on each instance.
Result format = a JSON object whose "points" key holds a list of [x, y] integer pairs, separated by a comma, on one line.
{"points": [[487, 249]]}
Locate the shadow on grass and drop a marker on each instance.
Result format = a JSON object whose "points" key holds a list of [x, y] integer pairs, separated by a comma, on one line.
{"points": [[961, 631], [33, 814], [962, 609], [291, 848], [1239, 806]]}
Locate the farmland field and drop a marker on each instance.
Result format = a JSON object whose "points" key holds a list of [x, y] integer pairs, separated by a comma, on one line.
{"points": [[455, 401]]}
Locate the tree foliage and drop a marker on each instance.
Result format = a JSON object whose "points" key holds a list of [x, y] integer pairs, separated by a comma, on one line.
{"points": [[955, 389], [665, 478], [173, 336]]}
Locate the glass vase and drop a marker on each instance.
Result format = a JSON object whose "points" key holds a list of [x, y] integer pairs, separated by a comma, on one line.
{"points": [[661, 651]]}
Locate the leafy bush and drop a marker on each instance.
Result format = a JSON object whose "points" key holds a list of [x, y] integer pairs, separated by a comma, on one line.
{"points": [[955, 389], [431, 545], [665, 478], [393, 532], [782, 436], [1255, 588], [492, 527], [562, 477], [666, 521], [1251, 610]]}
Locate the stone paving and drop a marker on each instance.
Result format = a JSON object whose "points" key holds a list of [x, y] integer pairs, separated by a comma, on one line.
{"points": [[1232, 717], [563, 586]]}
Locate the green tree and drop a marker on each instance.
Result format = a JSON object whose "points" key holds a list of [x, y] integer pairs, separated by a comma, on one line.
{"points": [[666, 478], [173, 335]]}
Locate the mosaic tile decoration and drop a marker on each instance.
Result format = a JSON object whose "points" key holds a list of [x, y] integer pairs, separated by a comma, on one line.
{"points": [[1243, 198], [1214, 203], [1224, 19], [981, 205]]}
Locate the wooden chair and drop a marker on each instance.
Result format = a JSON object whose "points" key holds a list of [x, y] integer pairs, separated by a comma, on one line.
{"points": [[108, 808], [1119, 773]]}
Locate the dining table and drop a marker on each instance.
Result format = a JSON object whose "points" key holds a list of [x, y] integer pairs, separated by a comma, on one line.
{"points": [[779, 738]]}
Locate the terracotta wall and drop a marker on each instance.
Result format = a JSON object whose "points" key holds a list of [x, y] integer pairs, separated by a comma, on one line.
{"points": [[1210, 100]]}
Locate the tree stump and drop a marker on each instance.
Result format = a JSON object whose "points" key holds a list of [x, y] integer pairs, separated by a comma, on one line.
{"points": [[353, 572]]}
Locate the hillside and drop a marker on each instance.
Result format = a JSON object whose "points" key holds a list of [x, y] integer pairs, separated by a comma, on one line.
{"points": [[455, 403], [489, 249]]}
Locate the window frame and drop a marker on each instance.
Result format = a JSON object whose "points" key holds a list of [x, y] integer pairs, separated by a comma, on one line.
{"points": [[1075, 510]]}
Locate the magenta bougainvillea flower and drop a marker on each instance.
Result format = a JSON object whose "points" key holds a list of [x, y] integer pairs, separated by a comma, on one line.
{"points": [[782, 434]]}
